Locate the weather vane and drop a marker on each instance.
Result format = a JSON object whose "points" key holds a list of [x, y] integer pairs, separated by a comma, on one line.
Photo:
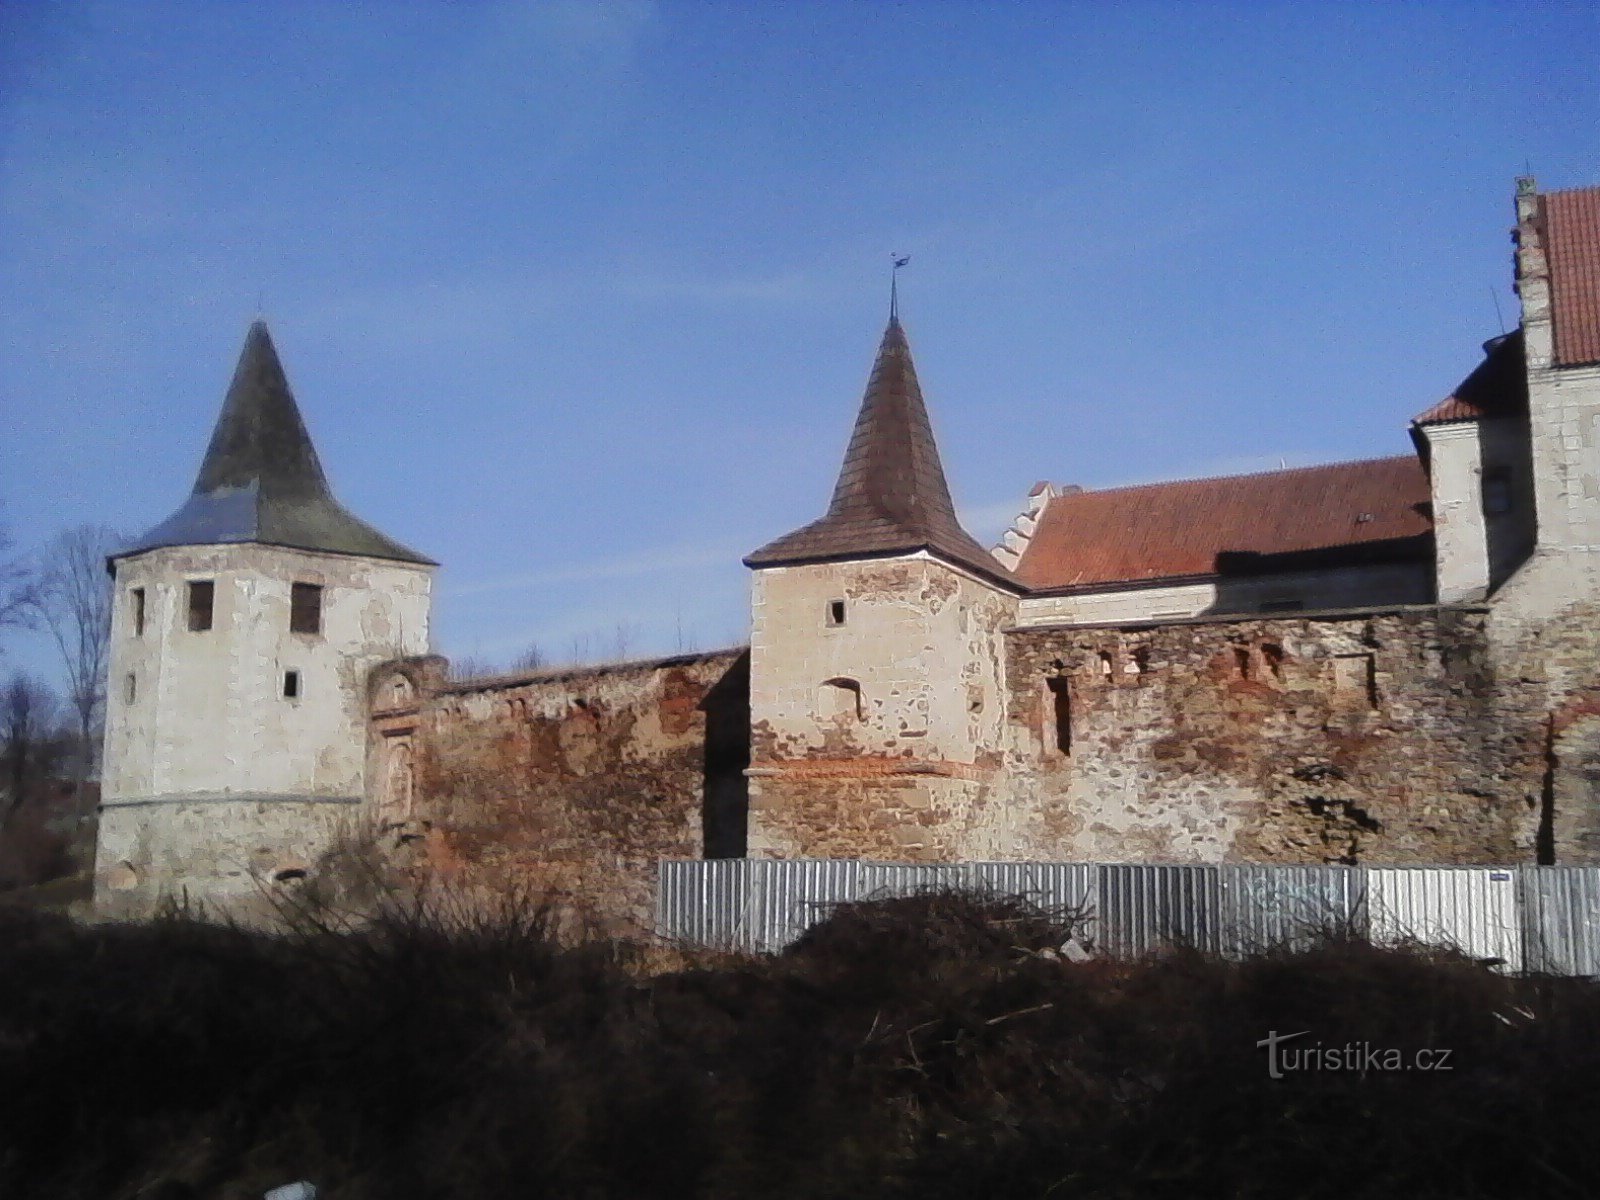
{"points": [[899, 260]]}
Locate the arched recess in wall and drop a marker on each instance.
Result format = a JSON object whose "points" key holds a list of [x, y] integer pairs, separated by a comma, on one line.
{"points": [[839, 697], [401, 692], [399, 784]]}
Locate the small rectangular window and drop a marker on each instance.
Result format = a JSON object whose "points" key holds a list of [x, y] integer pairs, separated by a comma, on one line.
{"points": [[835, 612], [130, 688], [137, 596], [1496, 491], [291, 685], [202, 593], [1061, 709], [305, 608]]}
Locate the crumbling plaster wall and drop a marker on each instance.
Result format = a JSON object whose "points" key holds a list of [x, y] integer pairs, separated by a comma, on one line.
{"points": [[1334, 738], [877, 735], [213, 778], [1341, 587], [566, 783]]}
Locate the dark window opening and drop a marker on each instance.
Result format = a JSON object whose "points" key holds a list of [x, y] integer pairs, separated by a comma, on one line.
{"points": [[138, 612], [1274, 656], [1141, 660], [1496, 491], [291, 685], [202, 594], [305, 608], [130, 689], [835, 612], [1061, 708], [1241, 659], [1105, 662]]}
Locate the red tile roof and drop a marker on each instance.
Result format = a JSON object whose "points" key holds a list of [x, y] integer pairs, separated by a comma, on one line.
{"points": [[1375, 510], [1572, 250], [1497, 387]]}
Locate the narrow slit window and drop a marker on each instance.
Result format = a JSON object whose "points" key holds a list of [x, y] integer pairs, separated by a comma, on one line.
{"points": [[305, 608], [137, 599], [1061, 712], [202, 595], [291, 685], [130, 688], [835, 612]]}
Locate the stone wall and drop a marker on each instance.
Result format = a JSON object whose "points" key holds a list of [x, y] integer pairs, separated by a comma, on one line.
{"points": [[567, 783], [1339, 738], [878, 707]]}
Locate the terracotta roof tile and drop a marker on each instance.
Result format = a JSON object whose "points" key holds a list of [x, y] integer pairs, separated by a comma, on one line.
{"points": [[1572, 249], [1497, 387], [891, 496], [1375, 510]]}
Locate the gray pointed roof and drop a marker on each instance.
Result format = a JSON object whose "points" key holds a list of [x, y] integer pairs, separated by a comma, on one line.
{"points": [[261, 480], [891, 496]]}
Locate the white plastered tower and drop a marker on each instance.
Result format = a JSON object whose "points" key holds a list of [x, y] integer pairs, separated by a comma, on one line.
{"points": [[244, 629]]}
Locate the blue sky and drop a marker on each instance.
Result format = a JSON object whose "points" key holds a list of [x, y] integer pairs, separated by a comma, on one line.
{"points": [[579, 299]]}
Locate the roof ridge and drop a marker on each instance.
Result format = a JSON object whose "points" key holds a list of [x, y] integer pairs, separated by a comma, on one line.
{"points": [[1159, 483]]}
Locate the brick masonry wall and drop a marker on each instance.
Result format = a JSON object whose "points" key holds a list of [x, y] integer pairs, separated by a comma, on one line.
{"points": [[1373, 738], [566, 783]]}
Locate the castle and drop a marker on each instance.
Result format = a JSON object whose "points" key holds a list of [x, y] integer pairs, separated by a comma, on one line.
{"points": [[1395, 660]]}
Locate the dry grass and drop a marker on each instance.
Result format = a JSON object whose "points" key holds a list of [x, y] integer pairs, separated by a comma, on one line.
{"points": [[926, 1047]]}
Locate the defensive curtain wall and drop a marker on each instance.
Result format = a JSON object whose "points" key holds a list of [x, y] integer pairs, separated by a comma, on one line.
{"points": [[569, 783]]}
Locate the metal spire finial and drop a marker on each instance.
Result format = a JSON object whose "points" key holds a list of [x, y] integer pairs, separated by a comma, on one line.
{"points": [[899, 260]]}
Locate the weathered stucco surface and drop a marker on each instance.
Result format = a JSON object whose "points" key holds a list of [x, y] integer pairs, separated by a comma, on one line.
{"points": [[875, 735], [569, 784], [1343, 587], [207, 763]]}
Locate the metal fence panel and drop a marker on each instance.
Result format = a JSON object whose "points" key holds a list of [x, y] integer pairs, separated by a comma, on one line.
{"points": [[1148, 905], [788, 896], [879, 880], [1052, 886], [1471, 908], [1263, 906], [1561, 920], [1542, 918]]}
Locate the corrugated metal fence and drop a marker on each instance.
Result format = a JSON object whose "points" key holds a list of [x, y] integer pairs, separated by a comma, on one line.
{"points": [[1544, 919]]}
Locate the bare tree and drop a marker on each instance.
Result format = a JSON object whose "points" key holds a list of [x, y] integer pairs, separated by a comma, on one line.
{"points": [[473, 666], [16, 587], [530, 659], [28, 714], [73, 602]]}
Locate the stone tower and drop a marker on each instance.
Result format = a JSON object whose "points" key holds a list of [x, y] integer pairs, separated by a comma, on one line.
{"points": [[877, 664], [243, 631]]}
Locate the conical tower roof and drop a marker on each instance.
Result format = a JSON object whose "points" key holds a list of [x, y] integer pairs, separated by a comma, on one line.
{"points": [[891, 497], [261, 480]]}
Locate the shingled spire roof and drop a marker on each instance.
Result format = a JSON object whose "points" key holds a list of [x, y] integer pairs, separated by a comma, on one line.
{"points": [[891, 497], [261, 480]]}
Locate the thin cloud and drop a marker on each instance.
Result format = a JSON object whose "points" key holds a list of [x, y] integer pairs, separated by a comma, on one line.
{"points": [[651, 562]]}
